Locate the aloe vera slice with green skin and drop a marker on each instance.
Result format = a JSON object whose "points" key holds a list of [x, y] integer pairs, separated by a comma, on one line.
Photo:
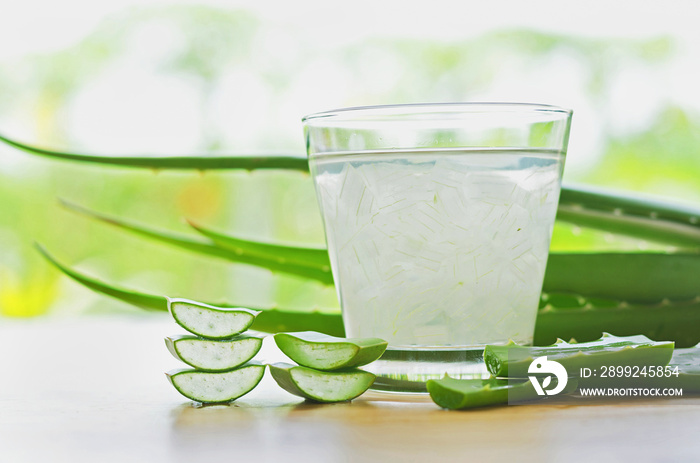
{"points": [[463, 394], [207, 387], [321, 386], [323, 352], [513, 360], [208, 355], [209, 321]]}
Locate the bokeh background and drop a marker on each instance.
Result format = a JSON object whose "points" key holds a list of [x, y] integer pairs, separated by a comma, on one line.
{"points": [[131, 77]]}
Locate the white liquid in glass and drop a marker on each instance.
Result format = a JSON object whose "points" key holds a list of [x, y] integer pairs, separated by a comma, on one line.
{"points": [[439, 248]]}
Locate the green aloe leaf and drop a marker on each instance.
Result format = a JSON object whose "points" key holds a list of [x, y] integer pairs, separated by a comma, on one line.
{"points": [[242, 255], [682, 372], [513, 361], [650, 219], [314, 257], [270, 320], [673, 321], [586, 320], [625, 214], [141, 300], [632, 277], [645, 218], [200, 162], [323, 352]]}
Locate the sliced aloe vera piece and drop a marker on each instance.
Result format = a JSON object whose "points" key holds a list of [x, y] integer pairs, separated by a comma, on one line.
{"points": [[208, 387], [462, 394], [324, 352], [688, 363], [321, 386], [208, 355], [209, 321], [513, 360], [682, 372]]}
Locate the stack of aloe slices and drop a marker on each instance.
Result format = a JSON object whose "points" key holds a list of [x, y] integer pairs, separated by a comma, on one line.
{"points": [[218, 351], [327, 369], [510, 365]]}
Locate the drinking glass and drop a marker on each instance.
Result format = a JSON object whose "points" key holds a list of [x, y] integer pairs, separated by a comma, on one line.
{"points": [[438, 219]]}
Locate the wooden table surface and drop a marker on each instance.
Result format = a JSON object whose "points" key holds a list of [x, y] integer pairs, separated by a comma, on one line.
{"points": [[92, 389]]}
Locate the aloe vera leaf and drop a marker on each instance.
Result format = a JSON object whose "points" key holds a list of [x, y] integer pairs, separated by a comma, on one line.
{"points": [[270, 320], [277, 320], [645, 218], [141, 300], [321, 386], [513, 361], [463, 394], [682, 372], [221, 387], [210, 321], [676, 321], [631, 277], [323, 352], [209, 248], [172, 162], [210, 355], [306, 256]]}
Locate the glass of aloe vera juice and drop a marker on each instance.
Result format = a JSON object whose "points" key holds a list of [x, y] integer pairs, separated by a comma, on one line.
{"points": [[438, 219]]}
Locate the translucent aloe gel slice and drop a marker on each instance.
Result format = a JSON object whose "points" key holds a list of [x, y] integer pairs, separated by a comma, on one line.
{"points": [[208, 387], [321, 386], [462, 394], [209, 321], [210, 355], [324, 352], [513, 360]]}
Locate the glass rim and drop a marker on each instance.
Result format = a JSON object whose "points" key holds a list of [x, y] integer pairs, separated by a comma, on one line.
{"points": [[393, 110]]}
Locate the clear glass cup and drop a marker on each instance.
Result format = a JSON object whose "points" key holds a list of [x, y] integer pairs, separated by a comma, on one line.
{"points": [[438, 219]]}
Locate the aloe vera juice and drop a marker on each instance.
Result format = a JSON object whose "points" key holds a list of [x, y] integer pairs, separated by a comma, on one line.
{"points": [[435, 249]]}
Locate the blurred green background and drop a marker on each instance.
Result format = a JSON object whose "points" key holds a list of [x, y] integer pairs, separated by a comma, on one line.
{"points": [[179, 79]]}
